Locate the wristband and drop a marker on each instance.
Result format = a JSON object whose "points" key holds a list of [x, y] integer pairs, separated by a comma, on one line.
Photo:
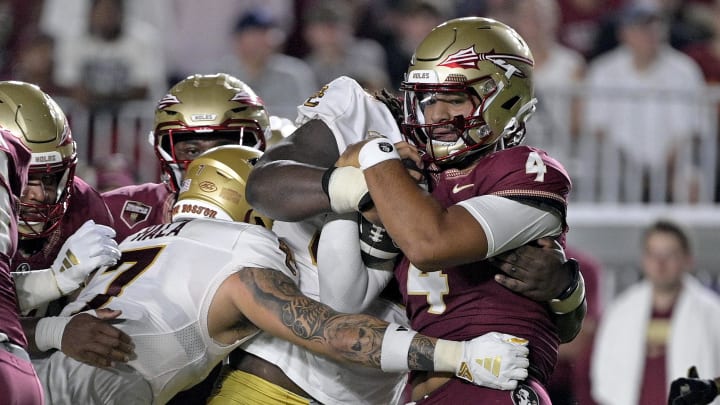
{"points": [[345, 187], [571, 303], [376, 151], [395, 347], [575, 268], [447, 356], [49, 332]]}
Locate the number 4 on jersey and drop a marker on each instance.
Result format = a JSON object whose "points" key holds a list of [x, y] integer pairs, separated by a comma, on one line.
{"points": [[433, 285], [535, 165]]}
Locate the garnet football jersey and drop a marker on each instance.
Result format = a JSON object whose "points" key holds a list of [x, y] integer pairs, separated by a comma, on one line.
{"points": [[462, 302], [135, 207]]}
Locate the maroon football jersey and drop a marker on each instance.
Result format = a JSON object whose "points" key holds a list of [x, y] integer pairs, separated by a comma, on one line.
{"points": [[138, 206], [463, 302], [18, 161], [85, 203]]}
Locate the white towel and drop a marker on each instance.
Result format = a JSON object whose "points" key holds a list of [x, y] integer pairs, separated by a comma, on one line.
{"points": [[619, 354]]}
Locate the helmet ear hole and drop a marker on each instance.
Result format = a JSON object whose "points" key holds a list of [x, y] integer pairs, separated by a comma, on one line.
{"points": [[508, 105]]}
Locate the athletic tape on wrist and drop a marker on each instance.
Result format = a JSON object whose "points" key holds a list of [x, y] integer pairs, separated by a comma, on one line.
{"points": [[49, 332], [448, 355], [395, 347], [571, 303], [346, 187], [376, 151]]}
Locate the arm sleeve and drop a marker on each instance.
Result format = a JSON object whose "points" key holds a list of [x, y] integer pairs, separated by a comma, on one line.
{"points": [[346, 284], [35, 288], [510, 224]]}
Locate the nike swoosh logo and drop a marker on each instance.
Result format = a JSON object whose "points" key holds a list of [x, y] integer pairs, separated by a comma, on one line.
{"points": [[458, 188]]}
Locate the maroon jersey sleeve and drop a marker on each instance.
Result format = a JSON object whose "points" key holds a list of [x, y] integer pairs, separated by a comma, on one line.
{"points": [[522, 173], [135, 207], [18, 161]]}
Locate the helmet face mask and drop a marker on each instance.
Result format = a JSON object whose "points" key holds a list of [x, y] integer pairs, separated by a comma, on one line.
{"points": [[39, 123], [214, 186], [218, 109], [490, 63]]}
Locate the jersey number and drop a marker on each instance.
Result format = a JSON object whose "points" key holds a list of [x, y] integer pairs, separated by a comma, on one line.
{"points": [[535, 165], [433, 285], [131, 265]]}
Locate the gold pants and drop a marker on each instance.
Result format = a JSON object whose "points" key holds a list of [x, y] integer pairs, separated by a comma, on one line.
{"points": [[240, 388]]}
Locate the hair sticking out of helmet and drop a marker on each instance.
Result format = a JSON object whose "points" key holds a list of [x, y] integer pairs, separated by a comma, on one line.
{"points": [[207, 110], [484, 69], [39, 123], [214, 186]]}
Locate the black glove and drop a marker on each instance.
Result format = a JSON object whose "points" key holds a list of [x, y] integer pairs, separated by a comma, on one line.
{"points": [[692, 391]]}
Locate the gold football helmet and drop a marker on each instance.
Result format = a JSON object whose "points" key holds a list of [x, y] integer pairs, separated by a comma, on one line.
{"points": [[485, 59], [216, 106], [214, 186], [39, 123]]}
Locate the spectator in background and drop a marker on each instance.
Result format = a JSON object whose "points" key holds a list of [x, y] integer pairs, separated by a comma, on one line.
{"points": [[583, 21], [18, 23], [655, 330], [108, 65], [409, 22], [557, 69], [283, 81], [707, 55], [336, 51], [36, 64], [643, 106]]}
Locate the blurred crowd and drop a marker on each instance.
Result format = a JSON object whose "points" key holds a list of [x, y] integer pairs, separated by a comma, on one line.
{"points": [[643, 61]]}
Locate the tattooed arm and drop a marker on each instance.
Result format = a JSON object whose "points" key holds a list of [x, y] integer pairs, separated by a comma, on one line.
{"points": [[272, 302]]}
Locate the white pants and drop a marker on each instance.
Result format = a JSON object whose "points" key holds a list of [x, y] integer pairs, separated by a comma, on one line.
{"points": [[67, 381]]}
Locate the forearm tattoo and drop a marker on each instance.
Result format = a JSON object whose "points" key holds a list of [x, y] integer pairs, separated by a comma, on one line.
{"points": [[353, 337]]}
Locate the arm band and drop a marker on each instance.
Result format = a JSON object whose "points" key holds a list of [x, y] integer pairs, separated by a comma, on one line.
{"points": [[395, 348], [448, 355], [376, 151], [571, 303], [345, 188], [49, 332]]}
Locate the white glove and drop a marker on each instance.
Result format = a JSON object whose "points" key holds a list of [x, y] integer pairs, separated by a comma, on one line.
{"points": [[88, 248], [493, 360]]}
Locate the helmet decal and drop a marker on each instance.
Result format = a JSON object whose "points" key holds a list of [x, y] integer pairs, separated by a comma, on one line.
{"points": [[245, 97], [167, 101], [468, 58]]}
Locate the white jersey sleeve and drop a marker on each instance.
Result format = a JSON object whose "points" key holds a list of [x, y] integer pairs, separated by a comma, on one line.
{"points": [[259, 247], [346, 284], [509, 224], [350, 112]]}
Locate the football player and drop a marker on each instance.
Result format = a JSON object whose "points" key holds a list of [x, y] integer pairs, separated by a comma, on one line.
{"points": [[197, 113], [196, 288], [18, 382], [467, 95], [63, 224]]}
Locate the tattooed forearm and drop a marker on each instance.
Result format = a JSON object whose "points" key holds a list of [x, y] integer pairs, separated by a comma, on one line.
{"points": [[421, 354], [357, 338]]}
